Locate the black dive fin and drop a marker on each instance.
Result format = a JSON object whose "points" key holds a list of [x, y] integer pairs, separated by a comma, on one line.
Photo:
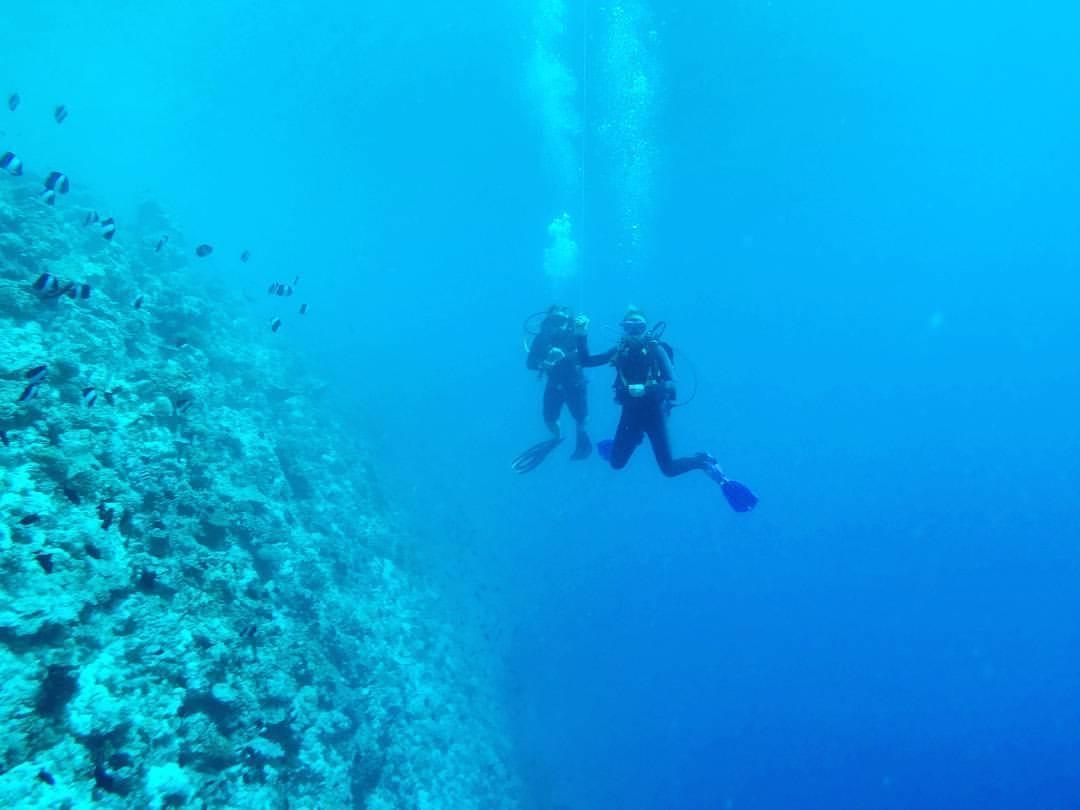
{"points": [[532, 458]]}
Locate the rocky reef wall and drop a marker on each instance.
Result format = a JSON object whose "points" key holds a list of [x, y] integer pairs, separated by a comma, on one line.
{"points": [[202, 595]]}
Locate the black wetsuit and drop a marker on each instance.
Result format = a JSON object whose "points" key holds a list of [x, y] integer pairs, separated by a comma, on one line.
{"points": [[642, 361], [565, 379]]}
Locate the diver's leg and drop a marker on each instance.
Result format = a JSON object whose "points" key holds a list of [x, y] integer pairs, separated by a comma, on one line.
{"points": [[657, 428], [578, 404], [553, 402], [628, 436]]}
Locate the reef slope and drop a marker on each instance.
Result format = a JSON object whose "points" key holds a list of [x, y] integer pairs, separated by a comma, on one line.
{"points": [[203, 600]]}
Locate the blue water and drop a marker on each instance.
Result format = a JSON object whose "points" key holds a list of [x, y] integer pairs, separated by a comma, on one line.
{"points": [[858, 220]]}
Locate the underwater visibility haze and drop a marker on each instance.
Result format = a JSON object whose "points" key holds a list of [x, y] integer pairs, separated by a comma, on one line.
{"points": [[270, 275]]}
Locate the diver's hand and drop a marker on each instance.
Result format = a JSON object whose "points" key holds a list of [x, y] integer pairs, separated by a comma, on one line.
{"points": [[581, 325], [637, 391], [554, 356]]}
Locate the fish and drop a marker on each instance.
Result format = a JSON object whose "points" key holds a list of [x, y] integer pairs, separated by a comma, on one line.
{"points": [[89, 396], [48, 196], [5, 438], [275, 324], [91, 218], [28, 393], [245, 256], [47, 284], [60, 113], [93, 551], [279, 289], [110, 397], [248, 632], [183, 405], [108, 228], [37, 374], [75, 291], [303, 309], [11, 163], [57, 291], [72, 494], [296, 280], [58, 181], [161, 243], [138, 302], [202, 251], [29, 520], [45, 561], [13, 102]]}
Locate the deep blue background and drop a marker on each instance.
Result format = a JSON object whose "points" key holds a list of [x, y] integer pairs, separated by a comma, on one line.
{"points": [[863, 235]]}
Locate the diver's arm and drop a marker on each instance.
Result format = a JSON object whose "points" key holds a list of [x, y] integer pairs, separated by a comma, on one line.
{"points": [[590, 360], [667, 371]]}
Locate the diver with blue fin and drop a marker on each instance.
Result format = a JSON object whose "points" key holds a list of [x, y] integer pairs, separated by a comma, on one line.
{"points": [[645, 388], [554, 354]]}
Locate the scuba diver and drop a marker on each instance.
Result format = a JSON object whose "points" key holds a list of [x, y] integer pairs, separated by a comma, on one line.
{"points": [[645, 388], [554, 354]]}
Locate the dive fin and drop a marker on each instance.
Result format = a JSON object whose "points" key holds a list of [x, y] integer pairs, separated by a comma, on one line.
{"points": [[531, 458], [738, 495]]}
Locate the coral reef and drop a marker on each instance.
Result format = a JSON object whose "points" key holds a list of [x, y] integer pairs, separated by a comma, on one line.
{"points": [[202, 599]]}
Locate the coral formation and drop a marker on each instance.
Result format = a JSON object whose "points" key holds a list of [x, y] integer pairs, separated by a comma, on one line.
{"points": [[202, 602]]}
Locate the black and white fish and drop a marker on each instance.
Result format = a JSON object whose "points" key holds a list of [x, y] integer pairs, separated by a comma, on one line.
{"points": [[11, 163], [138, 302], [77, 291], [275, 324], [108, 228], [279, 289], [245, 256], [161, 243], [296, 280], [60, 113], [202, 251], [183, 405], [48, 196], [29, 520], [89, 396], [13, 102], [28, 393], [5, 438], [303, 309], [58, 181], [44, 559], [37, 374], [47, 284], [91, 218]]}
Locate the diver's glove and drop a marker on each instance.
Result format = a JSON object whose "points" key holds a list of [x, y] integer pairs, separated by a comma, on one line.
{"points": [[554, 357], [581, 325]]}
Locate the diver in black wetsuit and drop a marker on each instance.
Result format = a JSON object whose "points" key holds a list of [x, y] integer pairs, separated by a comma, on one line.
{"points": [[554, 353], [645, 387]]}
